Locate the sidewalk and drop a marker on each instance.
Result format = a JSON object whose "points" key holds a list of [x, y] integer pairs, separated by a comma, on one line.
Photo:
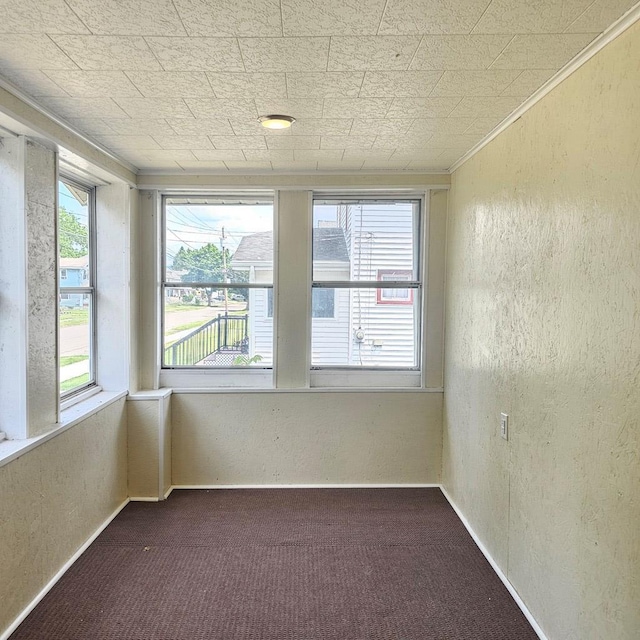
{"points": [[74, 370]]}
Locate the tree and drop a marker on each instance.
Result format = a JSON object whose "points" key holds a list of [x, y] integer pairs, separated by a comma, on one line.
{"points": [[74, 236], [205, 264]]}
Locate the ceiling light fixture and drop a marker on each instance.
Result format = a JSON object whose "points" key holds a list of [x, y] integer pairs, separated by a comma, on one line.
{"points": [[276, 121]]}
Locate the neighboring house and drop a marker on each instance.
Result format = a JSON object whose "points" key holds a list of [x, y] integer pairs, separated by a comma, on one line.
{"points": [[350, 326], [380, 242], [176, 292], [74, 272], [330, 306]]}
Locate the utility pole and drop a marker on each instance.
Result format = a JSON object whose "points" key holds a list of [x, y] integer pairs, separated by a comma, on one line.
{"points": [[224, 271]]}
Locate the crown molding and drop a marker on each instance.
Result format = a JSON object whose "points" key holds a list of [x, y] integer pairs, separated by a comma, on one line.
{"points": [[596, 45]]}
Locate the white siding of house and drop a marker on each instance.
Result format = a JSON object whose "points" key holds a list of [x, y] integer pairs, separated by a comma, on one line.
{"points": [[392, 326], [346, 222], [378, 239], [330, 337], [260, 327]]}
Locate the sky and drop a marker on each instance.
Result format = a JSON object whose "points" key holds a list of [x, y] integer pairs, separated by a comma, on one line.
{"points": [[66, 200], [194, 226]]}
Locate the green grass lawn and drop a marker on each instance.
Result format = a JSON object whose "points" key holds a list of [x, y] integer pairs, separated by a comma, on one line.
{"points": [[197, 323], [72, 383], [171, 308], [184, 327], [67, 360], [73, 317], [219, 307]]}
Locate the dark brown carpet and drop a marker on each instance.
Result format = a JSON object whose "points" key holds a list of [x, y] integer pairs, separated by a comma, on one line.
{"points": [[309, 564]]}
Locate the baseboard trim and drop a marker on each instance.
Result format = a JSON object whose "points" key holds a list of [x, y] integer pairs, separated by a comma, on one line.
{"points": [[65, 567], [496, 568], [305, 486], [165, 495]]}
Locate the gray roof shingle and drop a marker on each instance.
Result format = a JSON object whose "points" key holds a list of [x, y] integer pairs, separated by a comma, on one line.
{"points": [[328, 244]]}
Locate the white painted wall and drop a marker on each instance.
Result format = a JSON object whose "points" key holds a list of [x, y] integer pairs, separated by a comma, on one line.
{"points": [[114, 319], [28, 288], [41, 174], [13, 294], [543, 322]]}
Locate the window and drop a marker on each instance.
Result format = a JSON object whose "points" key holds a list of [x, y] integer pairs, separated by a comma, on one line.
{"points": [[322, 303], [217, 283], [76, 304], [394, 296], [366, 257]]}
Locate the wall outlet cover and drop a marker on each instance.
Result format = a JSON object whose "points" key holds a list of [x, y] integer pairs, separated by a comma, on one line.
{"points": [[504, 426]]}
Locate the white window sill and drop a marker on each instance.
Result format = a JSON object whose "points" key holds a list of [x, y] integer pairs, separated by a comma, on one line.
{"points": [[79, 397], [207, 380], [81, 410], [354, 378], [211, 378]]}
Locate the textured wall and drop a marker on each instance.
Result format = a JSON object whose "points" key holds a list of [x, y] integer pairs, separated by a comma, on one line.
{"points": [[149, 444], [306, 438], [143, 447], [42, 278], [53, 498], [543, 322]]}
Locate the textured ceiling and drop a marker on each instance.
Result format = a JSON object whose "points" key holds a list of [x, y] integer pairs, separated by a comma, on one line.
{"points": [[399, 85]]}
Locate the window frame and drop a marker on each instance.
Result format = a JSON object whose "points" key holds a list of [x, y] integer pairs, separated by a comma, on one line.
{"points": [[229, 371], [343, 375], [67, 397]]}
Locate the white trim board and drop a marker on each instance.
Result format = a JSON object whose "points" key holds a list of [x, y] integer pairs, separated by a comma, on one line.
{"points": [[596, 45], [494, 565], [276, 390], [65, 567], [394, 181], [305, 486]]}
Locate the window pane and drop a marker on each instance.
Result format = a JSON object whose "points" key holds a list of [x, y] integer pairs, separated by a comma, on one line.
{"points": [[211, 327], [209, 240], [365, 333], [323, 303], [73, 235], [75, 341], [353, 241]]}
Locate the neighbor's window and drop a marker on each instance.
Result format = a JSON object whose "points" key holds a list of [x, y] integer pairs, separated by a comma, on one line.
{"points": [[218, 278], [394, 296], [322, 303], [76, 305], [366, 278]]}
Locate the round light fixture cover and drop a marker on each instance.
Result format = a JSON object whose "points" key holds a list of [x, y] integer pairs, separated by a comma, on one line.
{"points": [[276, 121]]}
